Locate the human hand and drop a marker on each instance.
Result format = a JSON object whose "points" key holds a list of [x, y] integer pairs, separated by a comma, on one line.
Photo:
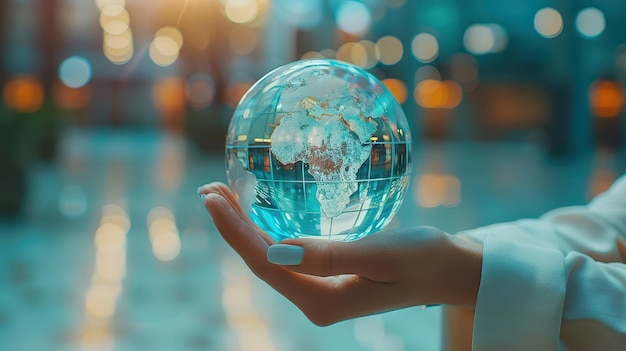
{"points": [[334, 281]]}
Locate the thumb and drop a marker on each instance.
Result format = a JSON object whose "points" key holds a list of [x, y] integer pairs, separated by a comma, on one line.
{"points": [[365, 257]]}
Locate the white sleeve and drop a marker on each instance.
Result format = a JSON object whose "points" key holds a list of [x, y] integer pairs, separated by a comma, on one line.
{"points": [[594, 312], [530, 295], [559, 279], [520, 298]]}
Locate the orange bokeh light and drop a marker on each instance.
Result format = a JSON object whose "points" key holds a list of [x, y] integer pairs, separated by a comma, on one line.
{"points": [[397, 88], [24, 94], [606, 98], [432, 93], [169, 95], [434, 190]]}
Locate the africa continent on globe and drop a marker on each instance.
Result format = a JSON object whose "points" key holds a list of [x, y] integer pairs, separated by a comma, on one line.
{"points": [[319, 148], [333, 145]]}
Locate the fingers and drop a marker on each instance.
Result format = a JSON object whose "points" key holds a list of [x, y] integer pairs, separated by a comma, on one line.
{"points": [[236, 229], [225, 192], [250, 243], [222, 190], [371, 257]]}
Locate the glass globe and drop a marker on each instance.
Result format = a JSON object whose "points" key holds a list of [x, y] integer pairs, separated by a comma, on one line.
{"points": [[319, 148]]}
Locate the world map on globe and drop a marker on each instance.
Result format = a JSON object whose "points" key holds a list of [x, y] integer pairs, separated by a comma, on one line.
{"points": [[333, 139], [319, 148]]}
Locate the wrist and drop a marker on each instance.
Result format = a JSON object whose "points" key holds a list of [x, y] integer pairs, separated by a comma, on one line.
{"points": [[463, 272]]}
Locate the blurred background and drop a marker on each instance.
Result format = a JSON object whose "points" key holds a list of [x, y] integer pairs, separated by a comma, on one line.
{"points": [[113, 112]]}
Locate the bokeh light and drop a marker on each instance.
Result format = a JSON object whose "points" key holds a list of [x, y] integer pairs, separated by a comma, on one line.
{"points": [[241, 313], [435, 190], [241, 11], [425, 47], [166, 46], [114, 213], [119, 56], [117, 42], [163, 46], [361, 53], [590, 22], [171, 32], [344, 53], [25, 94], [110, 266], [364, 54], [438, 94], [606, 98], [548, 22], [164, 234], [389, 50], [118, 48], [353, 17], [120, 41], [358, 55], [75, 71], [482, 39], [169, 95], [397, 88], [114, 19]]}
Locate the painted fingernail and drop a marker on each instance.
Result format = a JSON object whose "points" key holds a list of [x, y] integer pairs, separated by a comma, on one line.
{"points": [[202, 197], [285, 255]]}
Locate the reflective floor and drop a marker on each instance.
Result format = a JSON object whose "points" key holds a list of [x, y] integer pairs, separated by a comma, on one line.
{"points": [[115, 252]]}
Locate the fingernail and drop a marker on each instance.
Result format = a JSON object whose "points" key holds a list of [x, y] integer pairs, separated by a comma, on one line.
{"points": [[202, 197], [285, 255], [198, 191]]}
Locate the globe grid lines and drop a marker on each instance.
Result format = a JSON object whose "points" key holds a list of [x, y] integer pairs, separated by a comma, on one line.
{"points": [[304, 181]]}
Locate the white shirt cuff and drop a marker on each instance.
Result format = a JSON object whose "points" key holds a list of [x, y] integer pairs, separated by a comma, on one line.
{"points": [[520, 298]]}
